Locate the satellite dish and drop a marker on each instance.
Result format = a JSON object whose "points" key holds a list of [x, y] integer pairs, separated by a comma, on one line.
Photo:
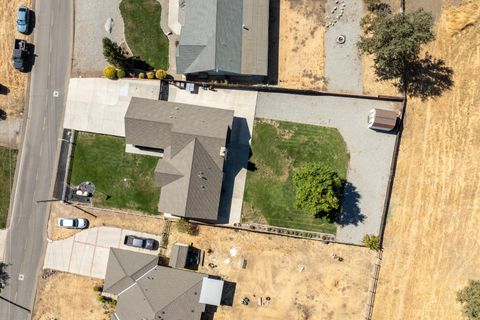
{"points": [[109, 25]]}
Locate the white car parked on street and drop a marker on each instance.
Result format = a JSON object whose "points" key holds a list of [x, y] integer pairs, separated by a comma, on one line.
{"points": [[73, 223]]}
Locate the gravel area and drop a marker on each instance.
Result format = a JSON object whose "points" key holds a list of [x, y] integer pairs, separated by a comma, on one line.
{"points": [[90, 19], [343, 67], [370, 152]]}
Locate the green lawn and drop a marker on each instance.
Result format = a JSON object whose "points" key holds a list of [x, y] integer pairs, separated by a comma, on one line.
{"points": [[127, 178], [8, 158], [278, 148], [143, 32]]}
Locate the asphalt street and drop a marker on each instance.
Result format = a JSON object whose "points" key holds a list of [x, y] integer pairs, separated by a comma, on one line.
{"points": [[26, 240]]}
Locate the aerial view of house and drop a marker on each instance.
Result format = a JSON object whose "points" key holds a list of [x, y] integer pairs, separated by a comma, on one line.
{"points": [[239, 159]]}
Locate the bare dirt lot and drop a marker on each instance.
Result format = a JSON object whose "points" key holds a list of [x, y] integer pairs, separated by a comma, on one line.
{"points": [[301, 278], [301, 57], [98, 218], [12, 82], [432, 247], [68, 296]]}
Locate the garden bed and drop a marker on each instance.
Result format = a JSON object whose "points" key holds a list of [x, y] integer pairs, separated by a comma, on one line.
{"points": [[8, 158]]}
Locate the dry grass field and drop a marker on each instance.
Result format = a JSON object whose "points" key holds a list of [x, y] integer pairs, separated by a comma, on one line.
{"points": [[301, 278], [301, 57], [432, 243], [13, 83], [68, 296]]}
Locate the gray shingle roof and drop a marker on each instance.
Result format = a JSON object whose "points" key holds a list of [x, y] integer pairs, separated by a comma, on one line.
{"points": [[125, 267], [178, 257], [158, 292], [213, 38], [191, 170]]}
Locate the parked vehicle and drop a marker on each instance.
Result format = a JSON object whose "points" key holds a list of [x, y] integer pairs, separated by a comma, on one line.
{"points": [[23, 19], [73, 223], [20, 54], [138, 242]]}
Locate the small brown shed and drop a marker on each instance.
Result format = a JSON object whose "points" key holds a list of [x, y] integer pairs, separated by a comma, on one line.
{"points": [[384, 120]]}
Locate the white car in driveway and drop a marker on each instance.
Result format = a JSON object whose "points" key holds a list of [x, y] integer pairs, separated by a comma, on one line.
{"points": [[73, 223]]}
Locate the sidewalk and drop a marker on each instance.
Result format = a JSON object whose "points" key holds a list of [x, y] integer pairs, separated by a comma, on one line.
{"points": [[3, 241]]}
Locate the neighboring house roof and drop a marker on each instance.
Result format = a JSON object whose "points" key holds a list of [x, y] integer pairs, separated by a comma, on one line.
{"points": [[224, 36], [125, 267], [192, 137], [178, 257], [159, 293]]}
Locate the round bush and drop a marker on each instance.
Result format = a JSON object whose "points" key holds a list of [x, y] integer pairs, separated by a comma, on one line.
{"points": [[160, 74], [110, 72], [141, 75], [120, 73], [150, 75]]}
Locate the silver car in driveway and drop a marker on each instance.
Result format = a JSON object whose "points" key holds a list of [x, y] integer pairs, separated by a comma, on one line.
{"points": [[73, 223], [23, 19]]}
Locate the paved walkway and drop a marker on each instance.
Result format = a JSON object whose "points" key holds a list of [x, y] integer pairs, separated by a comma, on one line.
{"points": [[343, 66], [370, 152], [99, 105], [169, 22], [10, 133], [243, 103], [86, 253]]}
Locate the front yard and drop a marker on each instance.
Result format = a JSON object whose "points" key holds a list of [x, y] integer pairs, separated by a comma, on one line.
{"points": [[123, 180], [143, 32], [279, 148], [8, 158]]}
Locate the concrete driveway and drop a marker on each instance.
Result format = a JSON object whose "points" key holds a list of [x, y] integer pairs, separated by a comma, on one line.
{"points": [[370, 152], [243, 103], [86, 253], [99, 105]]}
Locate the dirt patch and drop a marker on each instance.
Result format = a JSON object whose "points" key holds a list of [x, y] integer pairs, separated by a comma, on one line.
{"points": [[12, 82], [99, 218], [431, 241], [68, 296], [301, 278], [301, 54]]}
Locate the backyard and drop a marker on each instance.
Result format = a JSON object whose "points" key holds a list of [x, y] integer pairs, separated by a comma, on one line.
{"points": [[143, 32], [278, 148], [8, 158], [122, 180]]}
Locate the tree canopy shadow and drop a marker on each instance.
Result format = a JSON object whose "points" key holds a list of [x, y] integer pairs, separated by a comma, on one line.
{"points": [[350, 211], [4, 277], [428, 77]]}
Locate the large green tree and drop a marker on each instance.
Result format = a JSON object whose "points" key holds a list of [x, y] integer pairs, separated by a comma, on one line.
{"points": [[469, 297], [395, 41], [114, 54], [317, 188]]}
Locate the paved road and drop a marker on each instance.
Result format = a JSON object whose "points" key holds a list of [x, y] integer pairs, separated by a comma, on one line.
{"points": [[26, 239]]}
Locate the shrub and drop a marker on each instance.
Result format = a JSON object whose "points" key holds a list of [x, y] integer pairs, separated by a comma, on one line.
{"points": [[150, 75], [120, 73], [184, 226], [98, 288], [141, 75], [371, 241], [469, 297], [110, 72], [160, 74]]}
